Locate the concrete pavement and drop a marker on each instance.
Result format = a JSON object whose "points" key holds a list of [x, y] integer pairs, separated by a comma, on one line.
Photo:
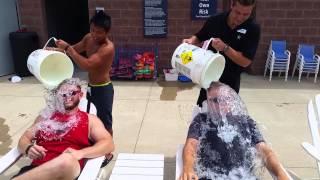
{"points": [[153, 117]]}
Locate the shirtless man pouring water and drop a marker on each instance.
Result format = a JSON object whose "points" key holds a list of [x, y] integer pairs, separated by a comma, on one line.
{"points": [[100, 52], [99, 56]]}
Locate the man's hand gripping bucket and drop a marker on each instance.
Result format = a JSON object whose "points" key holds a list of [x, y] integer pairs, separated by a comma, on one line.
{"points": [[198, 64], [50, 67]]}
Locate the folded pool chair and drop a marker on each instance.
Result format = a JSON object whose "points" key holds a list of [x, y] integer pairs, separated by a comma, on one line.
{"points": [[278, 59], [306, 61]]}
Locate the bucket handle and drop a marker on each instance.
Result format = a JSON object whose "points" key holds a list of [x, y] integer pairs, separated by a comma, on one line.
{"points": [[44, 47], [30, 68], [207, 43]]}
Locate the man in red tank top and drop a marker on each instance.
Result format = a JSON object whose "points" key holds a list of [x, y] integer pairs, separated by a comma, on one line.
{"points": [[58, 140]]}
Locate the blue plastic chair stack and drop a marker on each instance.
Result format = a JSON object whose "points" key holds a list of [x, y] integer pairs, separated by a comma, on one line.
{"points": [[278, 59], [306, 61]]}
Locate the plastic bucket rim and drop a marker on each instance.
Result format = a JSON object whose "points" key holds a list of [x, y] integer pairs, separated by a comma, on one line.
{"points": [[219, 60], [67, 61]]}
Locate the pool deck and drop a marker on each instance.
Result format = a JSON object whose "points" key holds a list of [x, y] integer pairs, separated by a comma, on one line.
{"points": [[153, 117]]}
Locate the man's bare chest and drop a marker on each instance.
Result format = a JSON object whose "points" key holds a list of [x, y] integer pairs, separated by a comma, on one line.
{"points": [[91, 48]]}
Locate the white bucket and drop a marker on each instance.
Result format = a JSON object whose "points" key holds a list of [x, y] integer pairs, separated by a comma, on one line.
{"points": [[50, 67], [198, 64]]}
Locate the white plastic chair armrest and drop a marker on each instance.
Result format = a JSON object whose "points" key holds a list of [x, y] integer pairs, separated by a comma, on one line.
{"points": [[83, 106], [317, 98], [9, 159], [91, 169], [292, 175], [287, 173], [313, 125], [179, 161], [311, 150]]}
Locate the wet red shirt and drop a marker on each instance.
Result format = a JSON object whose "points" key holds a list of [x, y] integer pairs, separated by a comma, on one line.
{"points": [[56, 141]]}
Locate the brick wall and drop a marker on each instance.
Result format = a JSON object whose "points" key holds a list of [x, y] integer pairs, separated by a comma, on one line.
{"points": [[32, 17], [296, 21], [127, 24]]}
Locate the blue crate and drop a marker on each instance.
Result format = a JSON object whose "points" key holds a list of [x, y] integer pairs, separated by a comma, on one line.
{"points": [[183, 78]]}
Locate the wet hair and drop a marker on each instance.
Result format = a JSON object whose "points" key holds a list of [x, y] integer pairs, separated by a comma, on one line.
{"points": [[224, 94], [215, 85], [71, 81], [102, 20], [245, 2]]}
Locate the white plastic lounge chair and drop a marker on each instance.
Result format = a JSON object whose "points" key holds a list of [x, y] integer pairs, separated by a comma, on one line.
{"points": [[89, 172], [313, 120]]}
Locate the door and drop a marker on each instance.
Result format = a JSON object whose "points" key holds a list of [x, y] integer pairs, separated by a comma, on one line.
{"points": [[9, 23], [67, 19]]}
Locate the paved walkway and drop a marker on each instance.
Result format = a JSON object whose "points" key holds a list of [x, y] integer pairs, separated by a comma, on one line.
{"points": [[153, 117]]}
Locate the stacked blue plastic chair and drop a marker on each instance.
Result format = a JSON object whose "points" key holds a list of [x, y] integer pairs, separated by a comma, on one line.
{"points": [[306, 61], [278, 59]]}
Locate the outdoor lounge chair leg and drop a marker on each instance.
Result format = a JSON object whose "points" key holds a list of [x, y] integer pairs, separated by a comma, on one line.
{"points": [[270, 76], [294, 69], [300, 73], [266, 68], [287, 71], [316, 72]]}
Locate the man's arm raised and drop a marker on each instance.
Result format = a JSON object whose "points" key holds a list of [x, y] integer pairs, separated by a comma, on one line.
{"points": [[94, 61], [81, 46]]}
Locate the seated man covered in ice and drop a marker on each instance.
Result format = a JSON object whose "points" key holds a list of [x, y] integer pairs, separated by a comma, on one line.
{"points": [[61, 136], [225, 143]]}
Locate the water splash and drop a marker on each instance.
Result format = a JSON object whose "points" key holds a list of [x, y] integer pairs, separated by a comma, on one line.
{"points": [[227, 132], [227, 139], [54, 128], [53, 103], [54, 124]]}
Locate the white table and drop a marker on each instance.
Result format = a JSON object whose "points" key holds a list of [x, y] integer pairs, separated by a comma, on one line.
{"points": [[130, 166]]}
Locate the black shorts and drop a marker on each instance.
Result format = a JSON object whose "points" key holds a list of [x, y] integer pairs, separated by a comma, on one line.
{"points": [[26, 169], [102, 98], [23, 170]]}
